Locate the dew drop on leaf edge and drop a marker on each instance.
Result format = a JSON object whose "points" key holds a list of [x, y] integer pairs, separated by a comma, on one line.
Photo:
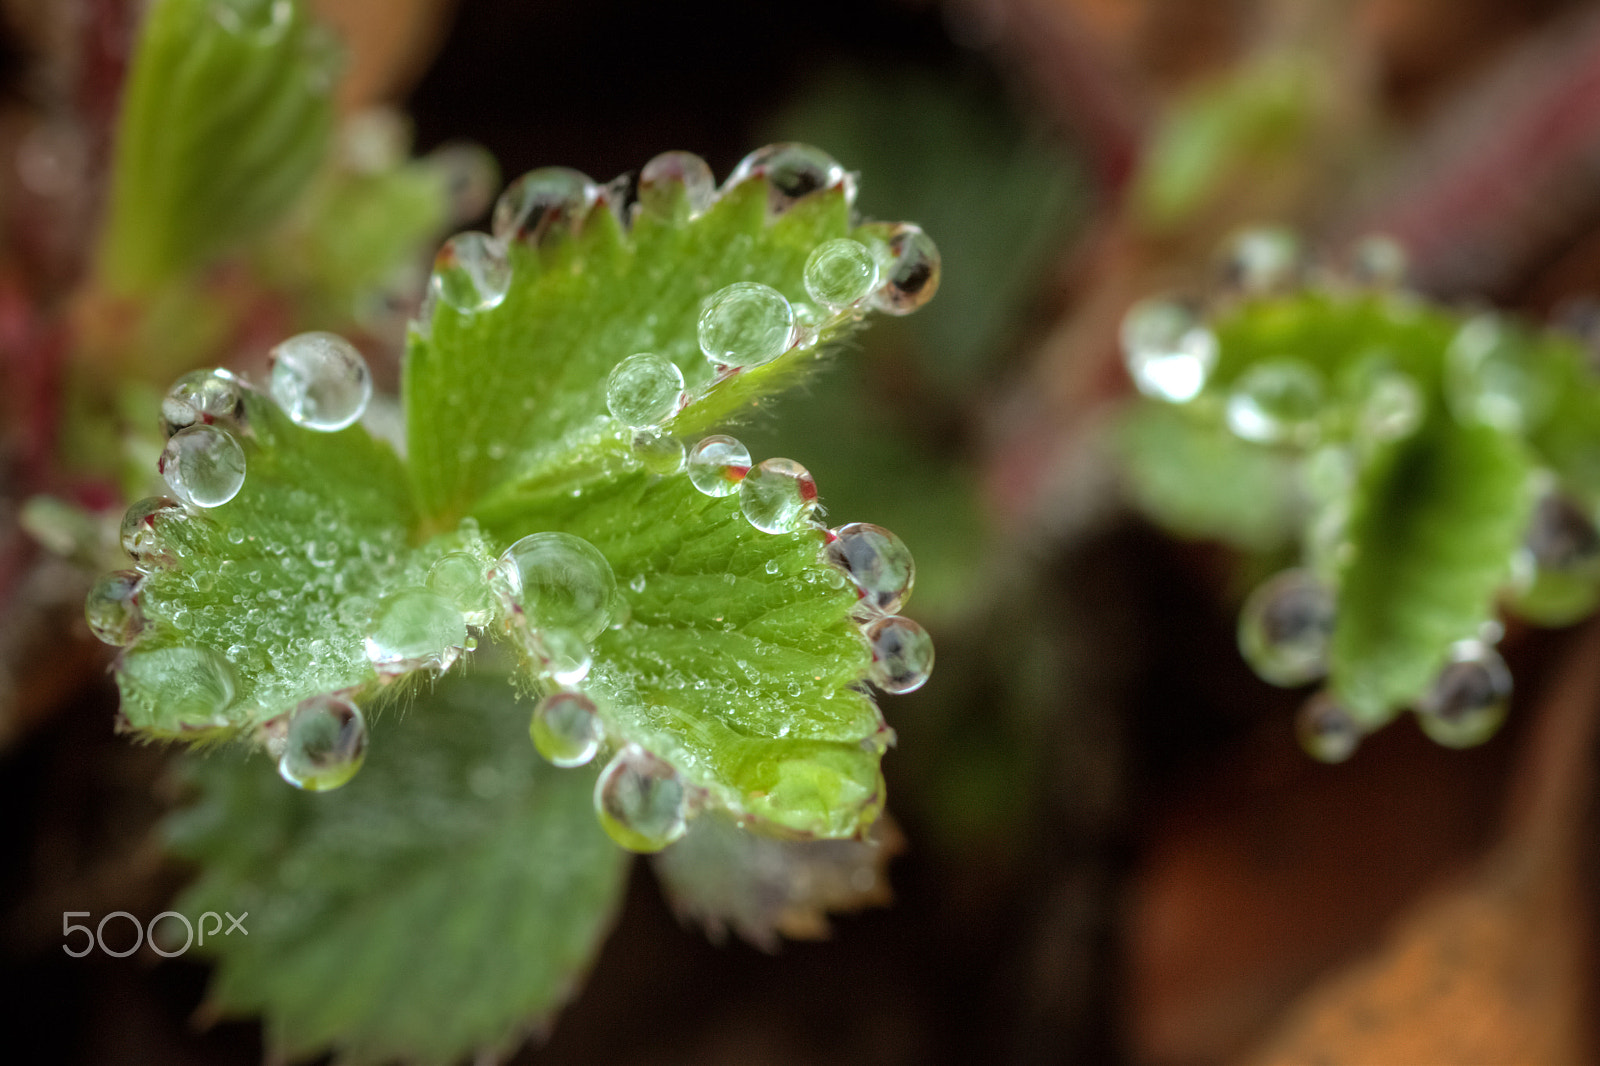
{"points": [[566, 729], [876, 561], [320, 380], [902, 654], [203, 466], [717, 464], [1285, 628], [777, 496], [112, 607], [413, 629], [560, 582], [325, 745], [641, 801], [1168, 349], [745, 324]]}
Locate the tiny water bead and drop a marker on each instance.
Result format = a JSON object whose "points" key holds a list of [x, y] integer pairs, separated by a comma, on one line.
{"points": [[112, 608], [326, 744], [202, 397], [320, 381], [414, 629], [181, 686], [543, 205], [778, 496], [203, 466], [876, 561], [641, 801], [471, 272], [745, 324], [1468, 700], [460, 579], [909, 268], [717, 464], [1168, 350], [1285, 628], [566, 729], [1492, 377], [1276, 402], [1264, 261], [146, 528], [1326, 730], [840, 273], [659, 453], [644, 390], [560, 582], [664, 176], [902, 654], [793, 171]]}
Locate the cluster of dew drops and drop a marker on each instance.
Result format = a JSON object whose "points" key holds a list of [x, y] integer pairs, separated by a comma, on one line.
{"points": [[554, 593], [1286, 624]]}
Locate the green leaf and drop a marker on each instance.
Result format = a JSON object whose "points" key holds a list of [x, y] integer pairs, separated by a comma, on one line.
{"points": [[226, 116], [1433, 526], [445, 902]]}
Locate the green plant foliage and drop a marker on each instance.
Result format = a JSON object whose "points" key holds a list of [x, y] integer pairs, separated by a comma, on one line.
{"points": [[446, 902], [225, 119]]}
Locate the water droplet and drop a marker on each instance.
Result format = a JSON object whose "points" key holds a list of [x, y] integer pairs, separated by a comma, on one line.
{"points": [[560, 582], [876, 561], [717, 464], [469, 174], [1285, 627], [1378, 261], [641, 801], [840, 273], [659, 453], [326, 744], [746, 324], [180, 686], [563, 655], [902, 654], [1468, 700], [1491, 377], [671, 175], [1167, 349], [1326, 730], [908, 266], [262, 21], [146, 529], [1264, 261], [1276, 402], [777, 496], [792, 170], [1391, 405], [543, 205], [471, 272], [460, 579], [414, 629], [637, 583], [566, 729], [320, 380], [202, 397], [644, 390], [203, 466], [1562, 536], [112, 608]]}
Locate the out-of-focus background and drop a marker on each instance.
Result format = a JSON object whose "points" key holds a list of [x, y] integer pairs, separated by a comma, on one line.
{"points": [[1115, 850]]}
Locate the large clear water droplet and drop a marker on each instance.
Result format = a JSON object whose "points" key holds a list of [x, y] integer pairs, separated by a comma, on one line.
{"points": [[1326, 730], [1467, 701], [641, 801], [1285, 628], [202, 397], [543, 205], [1263, 261], [460, 579], [908, 266], [778, 496], [876, 561], [1276, 402], [902, 654], [182, 686], [1493, 377], [146, 531], [792, 170], [745, 324], [326, 744], [471, 272], [840, 273], [112, 608], [560, 582], [414, 629], [203, 466], [1167, 349], [320, 381], [566, 729], [644, 390], [717, 464], [674, 178]]}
